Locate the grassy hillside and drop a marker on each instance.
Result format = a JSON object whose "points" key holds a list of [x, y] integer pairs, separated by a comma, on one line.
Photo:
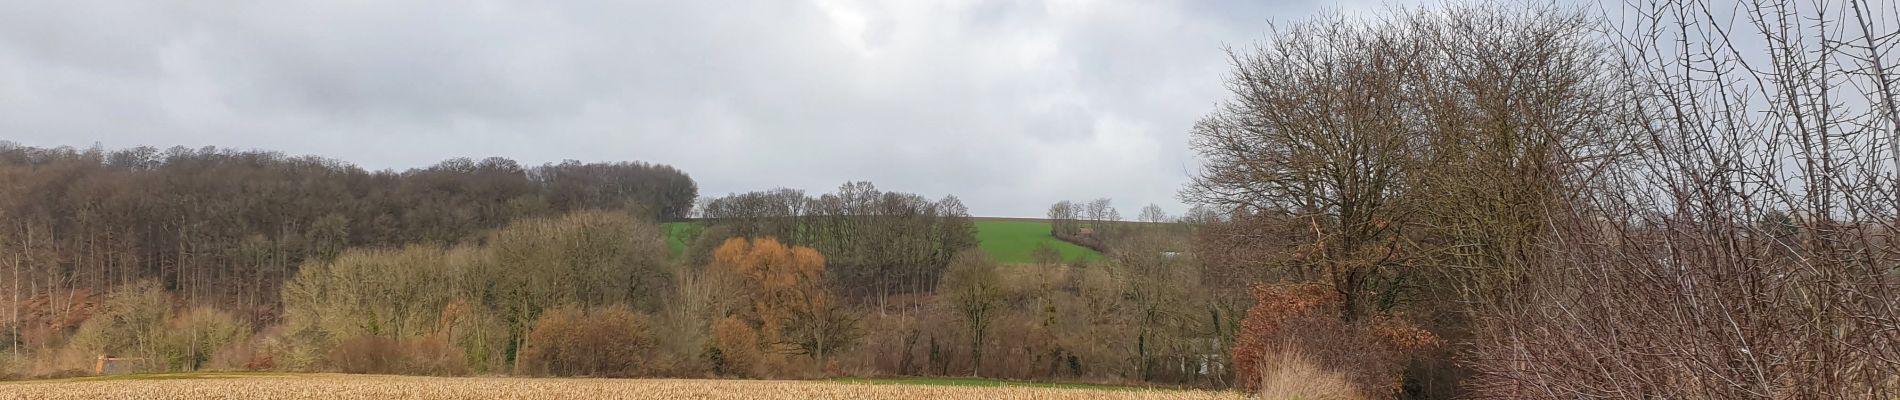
{"points": [[680, 234], [1012, 241], [1009, 240]]}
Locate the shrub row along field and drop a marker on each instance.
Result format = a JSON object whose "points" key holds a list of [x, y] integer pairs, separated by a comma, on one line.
{"points": [[1009, 241], [339, 386]]}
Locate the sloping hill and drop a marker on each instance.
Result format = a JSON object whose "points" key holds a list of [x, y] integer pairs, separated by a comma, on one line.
{"points": [[1013, 240], [680, 234]]}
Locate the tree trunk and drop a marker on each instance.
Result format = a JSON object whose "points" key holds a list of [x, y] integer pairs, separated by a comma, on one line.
{"points": [[15, 341], [976, 354], [903, 367]]}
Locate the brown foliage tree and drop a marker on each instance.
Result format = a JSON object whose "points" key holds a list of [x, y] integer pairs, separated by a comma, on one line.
{"points": [[1371, 353], [795, 311], [570, 341], [735, 348]]}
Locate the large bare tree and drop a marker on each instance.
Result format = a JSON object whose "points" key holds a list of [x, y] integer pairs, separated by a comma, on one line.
{"points": [[1318, 127]]}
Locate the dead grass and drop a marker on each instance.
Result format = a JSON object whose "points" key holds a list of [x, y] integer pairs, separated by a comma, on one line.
{"points": [[1291, 376], [338, 386]]}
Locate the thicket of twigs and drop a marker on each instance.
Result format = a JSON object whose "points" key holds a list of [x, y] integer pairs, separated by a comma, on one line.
{"points": [[1678, 200], [1745, 250]]}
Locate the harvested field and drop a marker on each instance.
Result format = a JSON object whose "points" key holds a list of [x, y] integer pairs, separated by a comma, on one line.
{"points": [[337, 386]]}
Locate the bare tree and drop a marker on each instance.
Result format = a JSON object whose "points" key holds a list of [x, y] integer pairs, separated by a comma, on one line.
{"points": [[1317, 128], [1517, 118], [973, 292], [1747, 251], [14, 261], [1153, 214], [1200, 215], [1159, 286], [1062, 217], [1099, 210]]}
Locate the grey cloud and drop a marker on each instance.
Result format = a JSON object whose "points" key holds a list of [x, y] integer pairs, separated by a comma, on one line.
{"points": [[1009, 105]]}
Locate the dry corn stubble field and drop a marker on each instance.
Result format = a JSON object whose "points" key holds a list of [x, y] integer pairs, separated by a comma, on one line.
{"points": [[336, 386]]}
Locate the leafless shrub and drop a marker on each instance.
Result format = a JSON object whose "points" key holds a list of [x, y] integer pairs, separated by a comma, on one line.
{"points": [[1291, 375], [367, 355], [1368, 354], [1747, 251], [613, 341]]}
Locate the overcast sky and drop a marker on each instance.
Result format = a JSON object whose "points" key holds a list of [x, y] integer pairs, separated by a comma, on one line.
{"points": [[1010, 105]]}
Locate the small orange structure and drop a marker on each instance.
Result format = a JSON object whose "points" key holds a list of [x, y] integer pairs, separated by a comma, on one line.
{"points": [[114, 365]]}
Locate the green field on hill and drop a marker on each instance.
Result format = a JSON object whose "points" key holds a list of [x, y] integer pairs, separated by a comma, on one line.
{"points": [[1012, 241], [1007, 241], [680, 234]]}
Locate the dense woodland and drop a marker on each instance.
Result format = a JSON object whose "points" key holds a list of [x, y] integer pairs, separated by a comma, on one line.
{"points": [[1483, 200], [225, 227], [560, 269]]}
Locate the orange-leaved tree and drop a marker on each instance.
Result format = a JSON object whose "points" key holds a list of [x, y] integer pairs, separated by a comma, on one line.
{"points": [[795, 311]]}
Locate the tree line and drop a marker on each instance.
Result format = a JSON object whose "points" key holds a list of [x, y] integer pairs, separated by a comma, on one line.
{"points": [[484, 267], [1097, 223], [596, 293], [226, 227]]}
